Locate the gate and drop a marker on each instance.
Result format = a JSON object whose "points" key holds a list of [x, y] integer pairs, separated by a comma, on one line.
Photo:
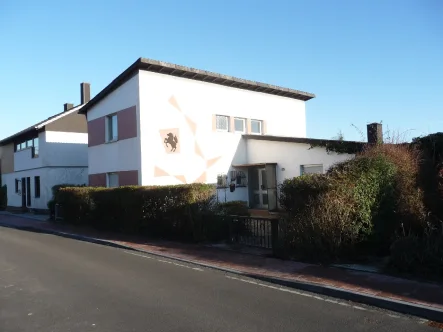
{"points": [[255, 232]]}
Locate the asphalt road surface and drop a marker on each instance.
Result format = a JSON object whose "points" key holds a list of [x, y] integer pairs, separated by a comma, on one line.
{"points": [[49, 283]]}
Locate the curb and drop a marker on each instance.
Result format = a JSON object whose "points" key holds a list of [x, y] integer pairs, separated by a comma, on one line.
{"points": [[422, 311]]}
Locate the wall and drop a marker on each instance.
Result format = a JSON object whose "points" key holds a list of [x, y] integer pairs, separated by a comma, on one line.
{"points": [[23, 160], [63, 148], [290, 156], [7, 158], [185, 108], [122, 155], [48, 178]]}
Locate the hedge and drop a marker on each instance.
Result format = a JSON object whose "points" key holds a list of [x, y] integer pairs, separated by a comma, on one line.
{"points": [[358, 207], [179, 212]]}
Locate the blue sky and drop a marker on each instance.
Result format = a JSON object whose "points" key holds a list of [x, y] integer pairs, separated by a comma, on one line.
{"points": [[366, 60]]}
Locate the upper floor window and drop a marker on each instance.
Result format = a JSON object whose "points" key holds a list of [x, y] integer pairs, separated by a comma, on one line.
{"points": [[239, 125], [222, 123], [29, 144], [256, 127], [35, 151], [112, 128]]}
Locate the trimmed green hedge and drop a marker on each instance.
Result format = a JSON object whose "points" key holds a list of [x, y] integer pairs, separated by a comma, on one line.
{"points": [[180, 212]]}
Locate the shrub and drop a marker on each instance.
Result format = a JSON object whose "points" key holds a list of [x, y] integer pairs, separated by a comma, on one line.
{"points": [[174, 212], [3, 197], [233, 208], [418, 255], [357, 207], [55, 190]]}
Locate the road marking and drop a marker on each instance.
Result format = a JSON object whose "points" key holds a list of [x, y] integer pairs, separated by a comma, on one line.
{"points": [[165, 261], [295, 292]]}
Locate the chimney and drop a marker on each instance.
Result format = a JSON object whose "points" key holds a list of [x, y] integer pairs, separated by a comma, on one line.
{"points": [[67, 107], [85, 93], [375, 133]]}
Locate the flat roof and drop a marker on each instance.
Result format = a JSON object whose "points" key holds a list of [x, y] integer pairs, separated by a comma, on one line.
{"points": [[194, 74], [303, 140]]}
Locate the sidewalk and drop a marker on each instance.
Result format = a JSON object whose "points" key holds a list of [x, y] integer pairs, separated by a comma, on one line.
{"points": [[406, 296]]}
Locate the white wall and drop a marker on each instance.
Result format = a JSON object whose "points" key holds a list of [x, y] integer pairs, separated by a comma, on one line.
{"points": [[196, 102], [290, 156], [121, 155], [23, 160], [64, 149], [116, 156], [48, 178]]}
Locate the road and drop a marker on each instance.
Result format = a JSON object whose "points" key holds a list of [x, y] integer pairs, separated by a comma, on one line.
{"points": [[50, 283]]}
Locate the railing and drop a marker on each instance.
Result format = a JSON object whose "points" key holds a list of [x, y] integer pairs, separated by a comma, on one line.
{"points": [[255, 232]]}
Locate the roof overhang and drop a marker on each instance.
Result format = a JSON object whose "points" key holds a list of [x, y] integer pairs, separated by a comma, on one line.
{"points": [[32, 130], [253, 165], [194, 74]]}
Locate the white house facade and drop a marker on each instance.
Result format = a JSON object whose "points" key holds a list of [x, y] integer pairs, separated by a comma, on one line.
{"points": [[163, 124], [51, 152]]}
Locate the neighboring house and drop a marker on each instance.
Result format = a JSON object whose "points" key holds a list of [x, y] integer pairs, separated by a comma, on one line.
{"points": [[164, 124], [53, 151]]}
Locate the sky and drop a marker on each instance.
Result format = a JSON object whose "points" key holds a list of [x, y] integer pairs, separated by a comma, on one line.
{"points": [[365, 60]]}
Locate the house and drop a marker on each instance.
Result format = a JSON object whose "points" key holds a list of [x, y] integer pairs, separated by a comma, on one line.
{"points": [[163, 124], [53, 151]]}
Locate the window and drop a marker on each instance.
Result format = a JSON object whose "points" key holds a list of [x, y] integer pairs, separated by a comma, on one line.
{"points": [[112, 180], [239, 125], [23, 145], [18, 147], [16, 185], [112, 128], [37, 187], [221, 122], [35, 148], [311, 169], [222, 181], [256, 127]]}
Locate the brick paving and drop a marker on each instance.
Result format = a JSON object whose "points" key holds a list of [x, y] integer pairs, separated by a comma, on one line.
{"points": [[423, 293]]}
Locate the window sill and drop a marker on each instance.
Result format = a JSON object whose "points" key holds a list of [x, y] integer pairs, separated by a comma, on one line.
{"points": [[111, 141]]}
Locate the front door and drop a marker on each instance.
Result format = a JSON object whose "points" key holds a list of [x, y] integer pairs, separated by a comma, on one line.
{"points": [[23, 192], [260, 188]]}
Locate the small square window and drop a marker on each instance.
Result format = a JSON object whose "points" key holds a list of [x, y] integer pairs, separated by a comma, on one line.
{"points": [[22, 145], [112, 128], [222, 122], [112, 180], [37, 187], [239, 125], [18, 147], [29, 143], [256, 127]]}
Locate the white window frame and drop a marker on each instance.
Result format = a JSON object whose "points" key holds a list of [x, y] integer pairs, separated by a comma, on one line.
{"points": [[108, 175], [260, 122], [227, 123], [302, 168], [244, 126], [110, 137]]}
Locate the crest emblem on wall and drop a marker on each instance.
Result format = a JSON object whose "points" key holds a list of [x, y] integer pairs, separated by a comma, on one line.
{"points": [[170, 140]]}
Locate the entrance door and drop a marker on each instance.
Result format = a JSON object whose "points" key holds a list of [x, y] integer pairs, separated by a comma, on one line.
{"points": [[23, 192], [260, 188], [28, 191]]}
